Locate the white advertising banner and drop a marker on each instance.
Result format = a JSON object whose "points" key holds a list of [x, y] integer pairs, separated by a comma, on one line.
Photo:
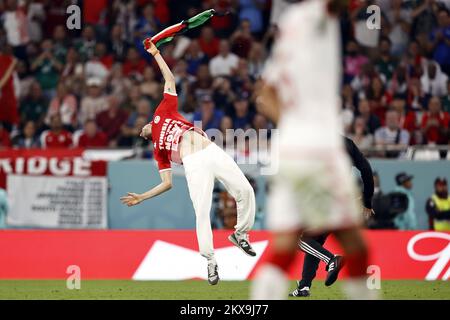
{"points": [[67, 202]]}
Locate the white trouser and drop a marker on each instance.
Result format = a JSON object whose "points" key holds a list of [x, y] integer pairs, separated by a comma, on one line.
{"points": [[201, 168]]}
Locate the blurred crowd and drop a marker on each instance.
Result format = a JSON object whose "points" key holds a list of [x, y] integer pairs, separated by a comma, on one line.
{"points": [[96, 87]]}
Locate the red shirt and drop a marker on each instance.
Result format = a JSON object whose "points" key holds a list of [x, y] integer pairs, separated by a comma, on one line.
{"points": [[433, 134], [53, 140], [5, 141], [134, 67], [97, 141], [211, 49], [167, 128], [8, 100]]}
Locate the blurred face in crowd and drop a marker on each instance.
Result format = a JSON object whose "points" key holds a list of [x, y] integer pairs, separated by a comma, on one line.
{"points": [[441, 189], [408, 184], [385, 47], [207, 107], [443, 19], [100, 50], [29, 130], [143, 108], [90, 128], [241, 107], [256, 52], [47, 45], [149, 12], [149, 74], [35, 91], [225, 124], [194, 48], [72, 55], [116, 32], [245, 27], [364, 107], [88, 33], [224, 47], [94, 91], [113, 103], [259, 122], [59, 33], [398, 105], [432, 69], [207, 34], [55, 122], [352, 48], [61, 90], [359, 125], [140, 123], [203, 72], [133, 55], [434, 106], [392, 119]]}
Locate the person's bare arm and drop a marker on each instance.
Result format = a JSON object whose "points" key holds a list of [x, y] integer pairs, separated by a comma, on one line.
{"points": [[169, 79], [132, 199], [8, 73], [268, 103]]}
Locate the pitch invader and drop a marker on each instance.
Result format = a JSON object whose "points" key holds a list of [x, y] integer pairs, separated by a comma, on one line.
{"points": [[177, 140], [314, 189]]}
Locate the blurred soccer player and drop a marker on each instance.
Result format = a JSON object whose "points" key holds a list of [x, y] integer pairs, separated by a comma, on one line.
{"points": [[314, 189], [175, 139]]}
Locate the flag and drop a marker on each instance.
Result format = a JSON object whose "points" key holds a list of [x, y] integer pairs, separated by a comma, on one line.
{"points": [[169, 33]]}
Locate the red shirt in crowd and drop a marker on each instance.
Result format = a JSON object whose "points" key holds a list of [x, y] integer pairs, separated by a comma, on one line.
{"points": [[134, 67], [5, 141], [110, 124], [99, 140], [54, 140], [167, 128], [211, 49], [434, 133], [8, 100]]}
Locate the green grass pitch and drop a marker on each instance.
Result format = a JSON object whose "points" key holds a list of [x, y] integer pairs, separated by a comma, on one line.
{"points": [[192, 290]]}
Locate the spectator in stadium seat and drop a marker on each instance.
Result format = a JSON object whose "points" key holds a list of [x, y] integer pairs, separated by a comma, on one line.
{"points": [[360, 134], [94, 102], [242, 118], [399, 18], [27, 139], [353, 61], [134, 65], [408, 219], [34, 106], [57, 137], [434, 81], [3, 208], [8, 99], [117, 44], [209, 116], [408, 119], [91, 137], [130, 136], [256, 59], [386, 63], [242, 40], [438, 206], [203, 83], [371, 120], [208, 42], [15, 25], [439, 43], [5, 141], [435, 123], [446, 99], [47, 68], [111, 120], [392, 136], [251, 10], [60, 42], [225, 62], [147, 25], [64, 104], [86, 44], [100, 64], [194, 57]]}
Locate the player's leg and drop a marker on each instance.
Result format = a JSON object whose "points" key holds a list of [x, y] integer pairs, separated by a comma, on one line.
{"points": [[271, 282], [229, 174], [356, 255], [200, 182]]}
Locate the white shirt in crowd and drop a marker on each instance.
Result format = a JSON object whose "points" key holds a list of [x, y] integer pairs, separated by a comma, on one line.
{"points": [[223, 65], [15, 24]]}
